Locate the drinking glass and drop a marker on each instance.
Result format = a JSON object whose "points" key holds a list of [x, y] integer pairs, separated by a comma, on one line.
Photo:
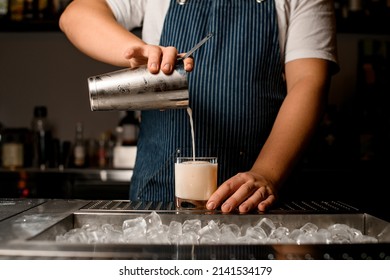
{"points": [[195, 181]]}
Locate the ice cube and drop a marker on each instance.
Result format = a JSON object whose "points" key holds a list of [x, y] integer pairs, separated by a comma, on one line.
{"points": [[340, 233], [211, 229], [189, 237], [158, 235], [153, 220], [267, 225], [256, 233], [309, 228], [134, 230], [193, 225], [279, 234], [208, 239], [174, 231], [228, 237], [233, 228], [295, 233]]}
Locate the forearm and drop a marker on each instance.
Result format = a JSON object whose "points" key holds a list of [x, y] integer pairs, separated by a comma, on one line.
{"points": [[92, 28], [298, 118]]}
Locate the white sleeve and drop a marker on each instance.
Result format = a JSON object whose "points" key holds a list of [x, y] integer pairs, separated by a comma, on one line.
{"points": [[312, 30], [128, 13]]}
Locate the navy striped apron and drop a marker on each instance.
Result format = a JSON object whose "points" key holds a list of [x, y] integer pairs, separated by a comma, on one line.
{"points": [[236, 90]]}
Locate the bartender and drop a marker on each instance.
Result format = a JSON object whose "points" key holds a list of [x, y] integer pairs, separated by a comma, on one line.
{"points": [[257, 88]]}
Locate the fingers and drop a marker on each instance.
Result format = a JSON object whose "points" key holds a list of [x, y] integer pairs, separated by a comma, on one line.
{"points": [[254, 197], [223, 192], [245, 198], [154, 54], [242, 192], [265, 204], [135, 56], [169, 55], [169, 58], [157, 58], [188, 62]]}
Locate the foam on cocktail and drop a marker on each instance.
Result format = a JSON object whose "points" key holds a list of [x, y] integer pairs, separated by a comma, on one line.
{"points": [[195, 180]]}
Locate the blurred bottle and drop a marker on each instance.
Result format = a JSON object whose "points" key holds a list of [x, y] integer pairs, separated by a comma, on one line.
{"points": [[130, 128], [79, 147], [355, 5], [42, 138], [12, 148], [3, 9], [28, 10], [42, 8], [102, 150], [110, 152], [92, 153], [65, 155], [125, 149], [15, 147], [16, 10], [55, 153]]}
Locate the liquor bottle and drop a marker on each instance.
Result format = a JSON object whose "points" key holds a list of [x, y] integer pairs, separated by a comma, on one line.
{"points": [[12, 149], [3, 9], [16, 10], [130, 128], [102, 150], [42, 138], [125, 149], [79, 147], [28, 10]]}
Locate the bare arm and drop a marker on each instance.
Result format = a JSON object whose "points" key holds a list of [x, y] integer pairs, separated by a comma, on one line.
{"points": [[91, 27], [307, 87]]}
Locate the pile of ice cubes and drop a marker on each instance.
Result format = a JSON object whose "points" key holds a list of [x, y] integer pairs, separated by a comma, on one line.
{"points": [[150, 230]]}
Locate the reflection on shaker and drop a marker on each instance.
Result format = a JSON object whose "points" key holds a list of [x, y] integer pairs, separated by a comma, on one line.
{"points": [[138, 89]]}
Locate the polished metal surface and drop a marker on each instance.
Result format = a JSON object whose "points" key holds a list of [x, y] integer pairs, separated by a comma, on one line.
{"points": [[138, 89], [31, 234], [288, 207], [11, 207], [27, 223]]}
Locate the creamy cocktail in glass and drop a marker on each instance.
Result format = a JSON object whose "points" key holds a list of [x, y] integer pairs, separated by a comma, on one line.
{"points": [[195, 181]]}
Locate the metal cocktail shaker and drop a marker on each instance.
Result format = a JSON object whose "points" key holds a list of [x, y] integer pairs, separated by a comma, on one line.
{"points": [[138, 89]]}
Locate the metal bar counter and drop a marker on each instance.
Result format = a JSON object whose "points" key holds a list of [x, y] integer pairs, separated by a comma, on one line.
{"points": [[28, 230]]}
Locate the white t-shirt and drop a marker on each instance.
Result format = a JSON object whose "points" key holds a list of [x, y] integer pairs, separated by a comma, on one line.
{"points": [[306, 27]]}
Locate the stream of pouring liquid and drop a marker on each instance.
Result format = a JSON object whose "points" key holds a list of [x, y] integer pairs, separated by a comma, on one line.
{"points": [[189, 111]]}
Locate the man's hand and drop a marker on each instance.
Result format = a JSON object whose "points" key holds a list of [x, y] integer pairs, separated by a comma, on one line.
{"points": [[157, 58], [245, 191]]}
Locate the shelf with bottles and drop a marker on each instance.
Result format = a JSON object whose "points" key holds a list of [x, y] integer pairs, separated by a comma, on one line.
{"points": [[31, 15], [363, 16]]}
